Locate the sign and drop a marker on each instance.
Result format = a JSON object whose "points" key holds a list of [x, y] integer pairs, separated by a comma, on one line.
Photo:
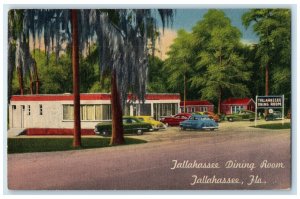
{"points": [[269, 102]]}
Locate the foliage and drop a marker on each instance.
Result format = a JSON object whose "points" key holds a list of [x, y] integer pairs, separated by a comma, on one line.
{"points": [[28, 145], [220, 65], [156, 76], [273, 26], [179, 64]]}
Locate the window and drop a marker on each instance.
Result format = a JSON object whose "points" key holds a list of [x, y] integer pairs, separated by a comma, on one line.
{"points": [[103, 112], [236, 109], [164, 109], [68, 112], [14, 107], [41, 109], [88, 112], [193, 109], [29, 111], [203, 109]]}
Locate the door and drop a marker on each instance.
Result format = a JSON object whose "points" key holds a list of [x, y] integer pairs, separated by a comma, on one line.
{"points": [[22, 115]]}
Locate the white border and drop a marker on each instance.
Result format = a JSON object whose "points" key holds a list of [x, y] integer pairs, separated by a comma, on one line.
{"points": [[156, 4]]}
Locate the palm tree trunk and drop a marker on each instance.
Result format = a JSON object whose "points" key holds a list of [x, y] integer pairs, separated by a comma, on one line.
{"points": [[76, 91], [117, 137]]}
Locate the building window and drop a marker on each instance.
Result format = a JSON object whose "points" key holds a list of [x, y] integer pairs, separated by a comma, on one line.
{"points": [[236, 109], [88, 112], [203, 109], [193, 109], [14, 107], [29, 110], [164, 109], [41, 109], [103, 112], [68, 112]]}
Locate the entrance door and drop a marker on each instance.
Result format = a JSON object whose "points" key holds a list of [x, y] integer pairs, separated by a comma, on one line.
{"points": [[22, 115]]}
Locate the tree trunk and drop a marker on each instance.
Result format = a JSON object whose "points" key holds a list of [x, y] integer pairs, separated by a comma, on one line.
{"points": [[31, 83], [76, 91], [267, 79], [117, 137], [267, 84], [20, 78], [184, 94], [219, 101]]}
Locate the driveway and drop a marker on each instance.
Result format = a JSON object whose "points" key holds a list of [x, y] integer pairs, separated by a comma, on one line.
{"points": [[255, 158]]}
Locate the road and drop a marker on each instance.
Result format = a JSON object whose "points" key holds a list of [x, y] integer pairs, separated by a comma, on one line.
{"points": [[149, 166]]}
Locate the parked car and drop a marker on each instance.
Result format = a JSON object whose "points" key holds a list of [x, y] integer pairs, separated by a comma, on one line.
{"points": [[175, 120], [200, 122], [276, 115], [242, 115], [130, 124], [156, 125], [211, 115]]}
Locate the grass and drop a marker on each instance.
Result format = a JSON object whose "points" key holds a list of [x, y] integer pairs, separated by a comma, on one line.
{"points": [[274, 126], [26, 145]]}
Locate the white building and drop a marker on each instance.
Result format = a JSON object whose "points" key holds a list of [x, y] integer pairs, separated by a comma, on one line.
{"points": [[56, 110]]}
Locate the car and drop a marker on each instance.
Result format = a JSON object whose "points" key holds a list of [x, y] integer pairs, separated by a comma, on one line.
{"points": [[276, 115], [211, 115], [242, 115], [200, 122], [156, 125], [175, 120], [131, 125]]}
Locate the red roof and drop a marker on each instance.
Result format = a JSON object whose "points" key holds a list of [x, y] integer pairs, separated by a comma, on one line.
{"points": [[196, 103], [89, 96], [237, 101]]}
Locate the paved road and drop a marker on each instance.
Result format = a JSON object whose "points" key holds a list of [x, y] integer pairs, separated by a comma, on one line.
{"points": [[148, 166]]}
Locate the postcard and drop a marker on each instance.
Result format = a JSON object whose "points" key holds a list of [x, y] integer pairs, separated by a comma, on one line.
{"points": [[149, 99]]}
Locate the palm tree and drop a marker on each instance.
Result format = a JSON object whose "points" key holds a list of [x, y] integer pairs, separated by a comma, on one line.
{"points": [[122, 37]]}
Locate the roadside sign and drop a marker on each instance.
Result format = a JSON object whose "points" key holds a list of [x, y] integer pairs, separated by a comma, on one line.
{"points": [[269, 102]]}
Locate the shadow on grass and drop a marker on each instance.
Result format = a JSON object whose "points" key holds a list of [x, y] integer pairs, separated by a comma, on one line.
{"points": [[26, 145], [274, 126]]}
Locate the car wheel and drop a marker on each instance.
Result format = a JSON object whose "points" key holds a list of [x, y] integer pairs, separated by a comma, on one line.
{"points": [[139, 132], [212, 129], [230, 119]]}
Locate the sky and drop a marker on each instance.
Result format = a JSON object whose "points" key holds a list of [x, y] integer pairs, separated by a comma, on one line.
{"points": [[187, 18]]}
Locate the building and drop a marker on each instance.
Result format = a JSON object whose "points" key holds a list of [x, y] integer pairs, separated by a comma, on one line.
{"points": [[56, 110], [196, 106], [234, 105]]}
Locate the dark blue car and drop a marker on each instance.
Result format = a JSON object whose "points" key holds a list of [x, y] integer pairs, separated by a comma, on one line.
{"points": [[199, 122]]}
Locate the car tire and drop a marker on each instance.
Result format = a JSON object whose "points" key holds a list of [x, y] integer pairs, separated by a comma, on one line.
{"points": [[139, 132], [212, 129]]}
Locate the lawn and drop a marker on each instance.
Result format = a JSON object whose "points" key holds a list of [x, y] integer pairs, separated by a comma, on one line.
{"points": [[25, 145], [274, 126]]}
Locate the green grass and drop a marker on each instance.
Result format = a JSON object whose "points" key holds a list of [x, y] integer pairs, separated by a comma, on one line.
{"points": [[26, 145], [274, 126]]}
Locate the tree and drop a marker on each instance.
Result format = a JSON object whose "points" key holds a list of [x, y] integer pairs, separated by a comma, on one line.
{"points": [[179, 62], [122, 37], [273, 26], [157, 76], [220, 68]]}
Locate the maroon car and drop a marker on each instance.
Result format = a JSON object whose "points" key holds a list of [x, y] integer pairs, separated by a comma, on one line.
{"points": [[175, 120]]}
